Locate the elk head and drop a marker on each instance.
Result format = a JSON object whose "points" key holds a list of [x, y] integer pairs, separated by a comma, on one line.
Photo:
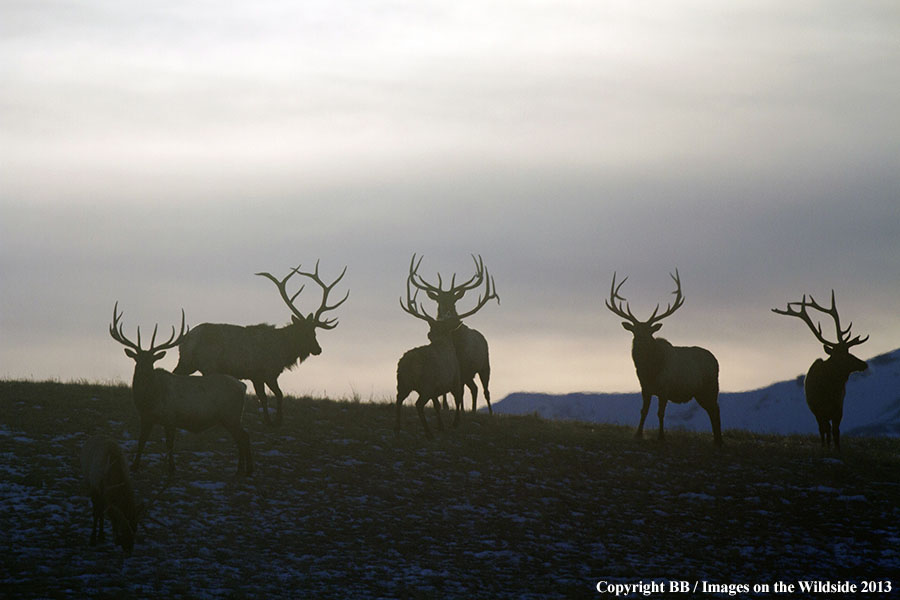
{"points": [[304, 327], [447, 299], [839, 351], [642, 330], [144, 359], [437, 328]]}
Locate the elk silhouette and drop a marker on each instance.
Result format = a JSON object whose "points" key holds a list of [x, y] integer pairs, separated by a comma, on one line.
{"points": [[826, 381], [260, 353], [671, 373], [431, 370], [181, 401], [109, 486], [471, 347]]}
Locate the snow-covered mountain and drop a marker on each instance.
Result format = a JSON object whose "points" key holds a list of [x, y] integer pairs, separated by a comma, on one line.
{"points": [[871, 407]]}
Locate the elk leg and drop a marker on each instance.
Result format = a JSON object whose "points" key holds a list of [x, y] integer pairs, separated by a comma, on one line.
{"points": [[836, 433], [146, 428], [444, 402], [473, 389], [273, 385], [485, 376], [823, 431], [170, 448], [458, 398], [661, 413], [242, 440], [420, 408], [260, 389], [97, 510], [715, 420], [400, 400], [645, 408]]}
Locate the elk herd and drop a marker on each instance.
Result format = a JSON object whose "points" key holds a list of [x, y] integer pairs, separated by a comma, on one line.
{"points": [[225, 354]]}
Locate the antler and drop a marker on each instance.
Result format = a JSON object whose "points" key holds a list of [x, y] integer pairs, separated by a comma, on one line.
{"points": [[619, 305], [490, 290], [842, 334], [447, 298], [115, 330], [326, 289], [282, 289], [412, 307]]}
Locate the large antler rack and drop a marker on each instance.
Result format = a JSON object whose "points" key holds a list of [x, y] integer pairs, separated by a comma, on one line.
{"points": [[843, 335], [115, 330], [456, 292], [619, 305], [281, 284]]}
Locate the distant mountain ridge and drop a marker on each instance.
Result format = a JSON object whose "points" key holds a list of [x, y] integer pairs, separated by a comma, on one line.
{"points": [[871, 407]]}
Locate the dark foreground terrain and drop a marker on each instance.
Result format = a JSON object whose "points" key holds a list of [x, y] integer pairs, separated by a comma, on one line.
{"points": [[503, 507]]}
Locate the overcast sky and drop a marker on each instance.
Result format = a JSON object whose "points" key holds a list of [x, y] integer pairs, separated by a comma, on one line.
{"points": [[160, 154]]}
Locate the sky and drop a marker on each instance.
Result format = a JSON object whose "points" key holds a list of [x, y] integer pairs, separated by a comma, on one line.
{"points": [[160, 154]]}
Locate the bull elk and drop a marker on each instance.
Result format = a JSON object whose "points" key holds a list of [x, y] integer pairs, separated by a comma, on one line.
{"points": [[109, 486], [471, 347], [826, 381], [431, 370], [260, 353], [181, 401], [671, 373]]}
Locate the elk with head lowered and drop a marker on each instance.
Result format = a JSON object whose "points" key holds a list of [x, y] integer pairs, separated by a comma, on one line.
{"points": [[109, 486], [671, 373], [471, 347], [826, 381], [181, 401], [262, 352], [431, 370]]}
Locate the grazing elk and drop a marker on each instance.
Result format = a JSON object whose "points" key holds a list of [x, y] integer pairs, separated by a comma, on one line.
{"points": [[430, 370], [671, 373], [106, 475], [826, 380], [192, 403], [260, 353], [471, 347]]}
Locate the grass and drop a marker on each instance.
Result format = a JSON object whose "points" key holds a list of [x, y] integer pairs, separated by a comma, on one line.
{"points": [[502, 507]]}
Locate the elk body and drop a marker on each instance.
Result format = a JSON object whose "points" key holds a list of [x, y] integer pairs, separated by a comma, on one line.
{"points": [[431, 371], [826, 381], [470, 345], [671, 373], [179, 401], [259, 353], [111, 492]]}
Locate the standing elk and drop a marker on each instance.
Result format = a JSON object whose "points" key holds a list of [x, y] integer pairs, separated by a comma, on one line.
{"points": [[111, 492], [430, 370], [671, 373], [826, 380], [471, 347], [260, 353], [192, 403]]}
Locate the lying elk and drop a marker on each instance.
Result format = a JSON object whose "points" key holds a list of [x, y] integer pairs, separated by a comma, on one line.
{"points": [[111, 492], [471, 347], [826, 380], [260, 353], [192, 403], [430, 370], [671, 373]]}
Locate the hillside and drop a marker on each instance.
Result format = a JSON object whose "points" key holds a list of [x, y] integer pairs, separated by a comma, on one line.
{"points": [[871, 407], [503, 507]]}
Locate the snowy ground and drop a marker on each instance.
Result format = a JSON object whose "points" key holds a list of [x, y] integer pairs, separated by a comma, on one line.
{"points": [[504, 507]]}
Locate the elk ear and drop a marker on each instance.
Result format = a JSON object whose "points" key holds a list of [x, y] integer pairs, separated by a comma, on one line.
{"points": [[628, 326], [829, 350], [433, 295], [130, 353], [460, 294], [158, 355], [295, 320], [655, 328]]}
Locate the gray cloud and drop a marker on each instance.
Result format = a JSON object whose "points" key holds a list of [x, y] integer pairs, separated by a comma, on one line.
{"points": [[160, 156]]}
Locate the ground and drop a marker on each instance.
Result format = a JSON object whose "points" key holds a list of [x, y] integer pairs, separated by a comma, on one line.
{"points": [[503, 507]]}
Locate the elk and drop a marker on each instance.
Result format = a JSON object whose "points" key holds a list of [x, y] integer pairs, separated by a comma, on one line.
{"points": [[826, 380], [260, 353], [471, 347], [430, 370], [111, 492], [671, 373], [193, 403]]}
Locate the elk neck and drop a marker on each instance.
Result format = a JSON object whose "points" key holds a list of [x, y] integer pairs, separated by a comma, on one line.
{"points": [[649, 355]]}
